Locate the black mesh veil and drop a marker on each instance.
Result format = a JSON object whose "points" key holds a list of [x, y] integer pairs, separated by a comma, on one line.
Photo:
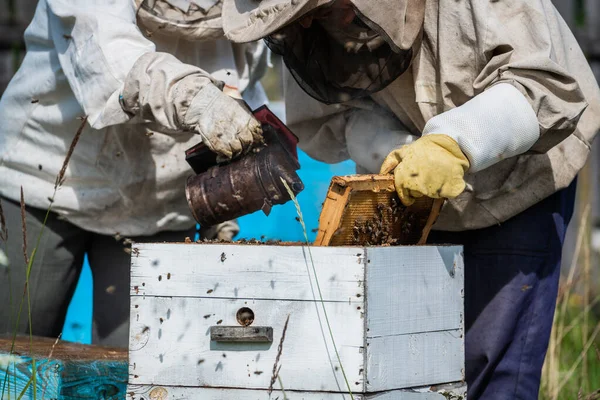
{"points": [[333, 69], [169, 13]]}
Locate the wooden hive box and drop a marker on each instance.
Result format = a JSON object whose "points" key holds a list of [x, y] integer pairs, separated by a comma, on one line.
{"points": [[365, 210], [63, 370], [395, 315]]}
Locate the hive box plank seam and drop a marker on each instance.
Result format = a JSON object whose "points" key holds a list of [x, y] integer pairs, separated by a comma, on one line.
{"points": [[404, 301]]}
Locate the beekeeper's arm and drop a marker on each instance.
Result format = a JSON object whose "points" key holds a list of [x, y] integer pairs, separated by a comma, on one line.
{"points": [[335, 133], [529, 103], [118, 77]]}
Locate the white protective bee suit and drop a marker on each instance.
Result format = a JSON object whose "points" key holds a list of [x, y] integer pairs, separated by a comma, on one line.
{"points": [[128, 172], [503, 107], [150, 90]]}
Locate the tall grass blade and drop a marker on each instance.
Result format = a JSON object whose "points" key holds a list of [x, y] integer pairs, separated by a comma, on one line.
{"points": [[276, 365], [580, 358], [24, 227], [28, 264], [281, 386], [553, 375], [30, 260], [6, 264], [575, 321], [25, 388], [299, 212], [61, 175]]}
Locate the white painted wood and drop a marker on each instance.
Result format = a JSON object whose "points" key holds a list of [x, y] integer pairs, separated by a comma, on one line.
{"points": [[144, 392], [415, 359], [404, 395], [403, 303], [178, 350], [412, 290], [246, 271]]}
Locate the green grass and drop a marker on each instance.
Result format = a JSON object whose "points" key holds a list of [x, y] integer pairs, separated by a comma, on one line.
{"points": [[29, 261], [572, 369]]}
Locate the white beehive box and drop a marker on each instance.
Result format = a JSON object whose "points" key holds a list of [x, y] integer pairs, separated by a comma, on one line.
{"points": [[395, 315]]}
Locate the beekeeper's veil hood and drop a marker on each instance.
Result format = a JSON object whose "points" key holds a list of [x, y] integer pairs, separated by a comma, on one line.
{"points": [[332, 63], [189, 19]]}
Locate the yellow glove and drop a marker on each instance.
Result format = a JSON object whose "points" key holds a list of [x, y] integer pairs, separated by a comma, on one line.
{"points": [[432, 166]]}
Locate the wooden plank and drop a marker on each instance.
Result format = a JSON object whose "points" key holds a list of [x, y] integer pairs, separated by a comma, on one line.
{"points": [[414, 289], [57, 379], [100, 379], [436, 208], [365, 181], [398, 395], [331, 214], [65, 371], [16, 373], [143, 392], [415, 359], [43, 347], [414, 316], [170, 344], [365, 210], [241, 334], [411, 334], [245, 271]]}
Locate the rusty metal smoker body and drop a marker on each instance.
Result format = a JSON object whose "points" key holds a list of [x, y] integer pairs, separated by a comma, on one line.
{"points": [[252, 182]]}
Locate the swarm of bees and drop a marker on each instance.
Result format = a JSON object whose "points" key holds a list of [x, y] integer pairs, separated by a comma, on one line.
{"points": [[376, 231]]}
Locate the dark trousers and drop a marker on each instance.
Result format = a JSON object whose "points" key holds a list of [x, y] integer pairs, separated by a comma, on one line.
{"points": [[511, 283], [55, 272]]}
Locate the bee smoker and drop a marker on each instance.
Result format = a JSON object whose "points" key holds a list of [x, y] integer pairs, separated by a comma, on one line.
{"points": [[251, 182]]}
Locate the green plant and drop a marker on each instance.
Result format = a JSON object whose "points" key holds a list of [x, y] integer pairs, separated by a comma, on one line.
{"points": [[314, 271], [572, 367], [29, 260]]}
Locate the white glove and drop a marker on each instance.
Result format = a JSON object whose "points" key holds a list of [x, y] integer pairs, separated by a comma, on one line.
{"points": [[225, 124], [181, 97], [225, 231]]}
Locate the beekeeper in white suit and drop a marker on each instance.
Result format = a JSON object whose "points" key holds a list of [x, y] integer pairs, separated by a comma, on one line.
{"points": [[490, 104], [150, 77]]}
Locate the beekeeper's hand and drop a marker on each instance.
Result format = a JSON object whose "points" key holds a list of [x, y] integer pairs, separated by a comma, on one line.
{"points": [[432, 166], [182, 97], [225, 124], [495, 125]]}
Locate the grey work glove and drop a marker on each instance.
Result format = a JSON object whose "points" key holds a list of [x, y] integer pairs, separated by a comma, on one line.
{"points": [[181, 97]]}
